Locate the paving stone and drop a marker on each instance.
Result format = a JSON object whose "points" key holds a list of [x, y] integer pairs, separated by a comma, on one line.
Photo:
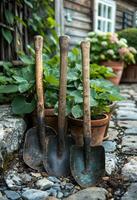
{"points": [[33, 194], [110, 146], [129, 171], [128, 103], [126, 112], [94, 193], [113, 133], [111, 161], [127, 116], [127, 124], [129, 145], [131, 131], [44, 184], [122, 109], [12, 195], [131, 193]]}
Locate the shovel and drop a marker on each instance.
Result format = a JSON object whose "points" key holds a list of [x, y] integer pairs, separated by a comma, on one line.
{"points": [[57, 161], [35, 139], [87, 163]]}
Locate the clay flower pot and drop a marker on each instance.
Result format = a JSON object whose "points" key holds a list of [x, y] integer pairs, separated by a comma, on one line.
{"points": [[98, 128], [111, 108], [117, 67], [50, 118]]}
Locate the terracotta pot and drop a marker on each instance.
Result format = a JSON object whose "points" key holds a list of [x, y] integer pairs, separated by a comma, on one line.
{"points": [[117, 67], [98, 128], [112, 108], [50, 118]]}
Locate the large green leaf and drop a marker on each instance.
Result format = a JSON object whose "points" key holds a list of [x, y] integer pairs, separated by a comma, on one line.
{"points": [[6, 89], [21, 106], [77, 111], [9, 16], [27, 60], [7, 35]]}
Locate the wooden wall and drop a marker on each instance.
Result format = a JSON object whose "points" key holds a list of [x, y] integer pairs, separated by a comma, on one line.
{"points": [[125, 14], [78, 19]]}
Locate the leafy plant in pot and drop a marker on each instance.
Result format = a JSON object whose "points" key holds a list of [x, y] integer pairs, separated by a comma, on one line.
{"points": [[101, 97], [107, 49]]}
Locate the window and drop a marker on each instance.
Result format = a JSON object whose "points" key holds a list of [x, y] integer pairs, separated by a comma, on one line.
{"points": [[104, 15]]}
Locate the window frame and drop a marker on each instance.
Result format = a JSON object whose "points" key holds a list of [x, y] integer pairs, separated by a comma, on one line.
{"points": [[112, 4]]}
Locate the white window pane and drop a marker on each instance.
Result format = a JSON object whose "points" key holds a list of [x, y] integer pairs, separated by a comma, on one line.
{"points": [[109, 12], [99, 9], [104, 10], [109, 27]]}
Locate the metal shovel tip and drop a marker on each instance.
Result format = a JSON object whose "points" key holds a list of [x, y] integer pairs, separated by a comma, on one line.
{"points": [[32, 152], [96, 165], [57, 164]]}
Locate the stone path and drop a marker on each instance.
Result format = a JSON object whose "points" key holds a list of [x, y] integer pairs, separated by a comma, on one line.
{"points": [[119, 182]]}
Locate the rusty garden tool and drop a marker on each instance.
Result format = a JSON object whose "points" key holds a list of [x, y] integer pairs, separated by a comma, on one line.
{"points": [[87, 163], [57, 161], [35, 139]]}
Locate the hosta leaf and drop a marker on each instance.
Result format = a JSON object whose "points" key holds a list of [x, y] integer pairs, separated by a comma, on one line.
{"points": [[78, 98], [77, 111], [24, 87], [21, 106], [7, 35], [6, 89], [9, 16], [20, 79]]}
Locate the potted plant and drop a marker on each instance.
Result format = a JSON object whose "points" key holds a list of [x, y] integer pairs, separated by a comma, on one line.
{"points": [[107, 49], [101, 97]]}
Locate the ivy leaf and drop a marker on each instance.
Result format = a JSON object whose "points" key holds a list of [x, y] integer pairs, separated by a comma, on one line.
{"points": [[7, 35], [9, 17], [77, 111], [6, 89], [21, 106]]}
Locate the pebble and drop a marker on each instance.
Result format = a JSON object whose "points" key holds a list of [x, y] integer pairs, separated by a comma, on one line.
{"points": [[59, 195], [110, 146], [37, 175], [13, 180], [12, 195], [131, 193], [33, 194], [93, 193], [129, 171], [53, 179], [44, 184], [111, 161]]}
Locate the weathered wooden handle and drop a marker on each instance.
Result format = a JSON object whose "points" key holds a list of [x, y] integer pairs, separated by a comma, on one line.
{"points": [[38, 41], [85, 48], [64, 45], [39, 75]]}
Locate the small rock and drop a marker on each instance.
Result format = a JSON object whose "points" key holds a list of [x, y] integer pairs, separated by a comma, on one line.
{"points": [[13, 180], [52, 192], [51, 198], [110, 146], [44, 184], [12, 194], [53, 179], [33, 194], [131, 193], [37, 175], [129, 171], [25, 178], [111, 161], [113, 133], [69, 186], [60, 195], [93, 193]]}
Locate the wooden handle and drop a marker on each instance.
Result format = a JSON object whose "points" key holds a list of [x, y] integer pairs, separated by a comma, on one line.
{"points": [[39, 91], [64, 45], [85, 48], [39, 75]]}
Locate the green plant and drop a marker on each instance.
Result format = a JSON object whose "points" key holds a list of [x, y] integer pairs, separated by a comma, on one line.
{"points": [[103, 93], [130, 35], [107, 46], [98, 71], [20, 83]]}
